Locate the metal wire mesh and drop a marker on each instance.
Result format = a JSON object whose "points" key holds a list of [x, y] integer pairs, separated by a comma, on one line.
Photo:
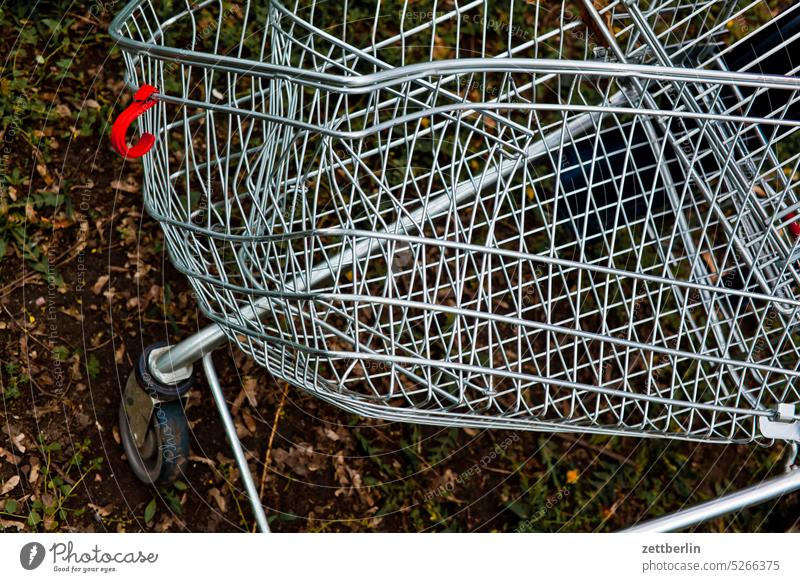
{"points": [[429, 214]]}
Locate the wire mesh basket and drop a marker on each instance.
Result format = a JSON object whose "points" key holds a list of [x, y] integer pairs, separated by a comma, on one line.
{"points": [[572, 216]]}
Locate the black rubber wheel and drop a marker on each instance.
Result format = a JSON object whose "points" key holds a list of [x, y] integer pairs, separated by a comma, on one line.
{"points": [[164, 454]]}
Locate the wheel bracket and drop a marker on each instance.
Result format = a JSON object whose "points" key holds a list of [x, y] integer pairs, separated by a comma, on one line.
{"points": [[139, 406], [171, 377]]}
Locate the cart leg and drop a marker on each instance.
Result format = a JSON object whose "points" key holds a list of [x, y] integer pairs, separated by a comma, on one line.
{"points": [[187, 352], [754, 495], [236, 445]]}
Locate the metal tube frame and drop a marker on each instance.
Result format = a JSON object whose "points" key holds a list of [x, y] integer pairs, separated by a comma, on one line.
{"points": [[772, 489], [236, 444], [202, 344]]}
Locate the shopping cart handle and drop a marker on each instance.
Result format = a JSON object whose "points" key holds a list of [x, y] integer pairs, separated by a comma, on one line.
{"points": [[142, 101]]}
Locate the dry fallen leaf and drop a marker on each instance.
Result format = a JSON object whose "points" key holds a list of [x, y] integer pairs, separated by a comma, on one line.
{"points": [[102, 511], [18, 442], [42, 170], [119, 353], [63, 111], [10, 457], [292, 459], [34, 474], [249, 422], [218, 498], [125, 186], [440, 48], [101, 282], [10, 484], [249, 388], [241, 429], [204, 460], [73, 312]]}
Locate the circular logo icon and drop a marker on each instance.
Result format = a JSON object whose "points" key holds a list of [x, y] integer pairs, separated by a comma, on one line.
{"points": [[31, 555]]}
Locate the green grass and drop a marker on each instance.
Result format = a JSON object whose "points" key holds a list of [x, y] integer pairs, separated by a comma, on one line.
{"points": [[57, 498], [43, 107]]}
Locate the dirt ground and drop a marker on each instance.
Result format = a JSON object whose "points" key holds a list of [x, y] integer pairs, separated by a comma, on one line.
{"points": [[85, 284]]}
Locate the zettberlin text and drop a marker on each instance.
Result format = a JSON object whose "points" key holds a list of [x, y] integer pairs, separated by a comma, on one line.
{"points": [[671, 549]]}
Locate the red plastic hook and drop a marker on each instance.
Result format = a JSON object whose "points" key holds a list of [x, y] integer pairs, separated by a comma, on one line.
{"points": [[142, 101]]}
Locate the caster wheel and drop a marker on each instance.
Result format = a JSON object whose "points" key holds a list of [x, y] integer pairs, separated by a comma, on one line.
{"points": [[152, 424], [165, 450]]}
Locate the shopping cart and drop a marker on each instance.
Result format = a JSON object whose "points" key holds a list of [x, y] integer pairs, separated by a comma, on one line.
{"points": [[574, 216]]}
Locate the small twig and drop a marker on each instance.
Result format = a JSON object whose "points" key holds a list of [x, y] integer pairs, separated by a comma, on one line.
{"points": [[102, 345], [84, 19], [69, 254], [499, 471], [6, 291], [25, 330], [161, 321], [268, 454], [600, 450], [60, 261]]}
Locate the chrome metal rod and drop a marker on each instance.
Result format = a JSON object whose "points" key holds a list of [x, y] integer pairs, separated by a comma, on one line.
{"points": [[236, 445], [189, 350], [733, 502]]}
